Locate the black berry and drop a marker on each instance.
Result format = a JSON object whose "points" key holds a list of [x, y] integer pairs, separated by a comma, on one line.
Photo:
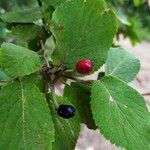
{"points": [[66, 111]]}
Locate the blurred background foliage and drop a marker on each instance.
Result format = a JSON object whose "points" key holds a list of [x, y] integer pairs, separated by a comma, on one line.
{"points": [[134, 18]]}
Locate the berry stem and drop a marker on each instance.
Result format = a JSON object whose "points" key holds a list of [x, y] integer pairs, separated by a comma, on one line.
{"points": [[77, 79], [53, 96], [146, 94]]}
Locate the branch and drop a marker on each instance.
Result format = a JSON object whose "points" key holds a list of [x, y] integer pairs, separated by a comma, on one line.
{"points": [[146, 94]]}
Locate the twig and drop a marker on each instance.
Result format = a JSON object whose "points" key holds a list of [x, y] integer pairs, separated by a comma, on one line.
{"points": [[138, 80], [47, 62], [42, 44], [46, 86], [52, 88], [51, 84], [2, 81], [146, 94]]}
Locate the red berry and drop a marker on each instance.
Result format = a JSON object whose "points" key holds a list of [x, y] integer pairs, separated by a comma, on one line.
{"points": [[84, 66]]}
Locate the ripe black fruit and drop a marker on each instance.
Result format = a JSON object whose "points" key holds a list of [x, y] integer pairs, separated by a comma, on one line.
{"points": [[66, 111]]}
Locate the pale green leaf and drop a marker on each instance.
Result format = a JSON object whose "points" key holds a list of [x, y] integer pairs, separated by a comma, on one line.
{"points": [[50, 46], [19, 61], [25, 121], [82, 29], [66, 130], [4, 76], [79, 95], [121, 114], [122, 17], [22, 16], [122, 64]]}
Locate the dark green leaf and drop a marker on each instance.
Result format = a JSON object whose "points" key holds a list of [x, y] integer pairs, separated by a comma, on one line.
{"points": [[22, 16], [24, 34], [79, 95]]}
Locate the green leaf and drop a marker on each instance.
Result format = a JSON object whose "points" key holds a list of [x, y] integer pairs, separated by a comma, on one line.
{"points": [[24, 34], [18, 61], [122, 64], [66, 130], [57, 2], [121, 114], [25, 121], [37, 80], [53, 2], [13, 5], [79, 36], [22, 16], [79, 94]]}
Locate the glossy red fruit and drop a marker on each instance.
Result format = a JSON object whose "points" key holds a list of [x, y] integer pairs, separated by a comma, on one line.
{"points": [[84, 66]]}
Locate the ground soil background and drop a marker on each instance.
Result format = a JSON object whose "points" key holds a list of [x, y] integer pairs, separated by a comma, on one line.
{"points": [[93, 140]]}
